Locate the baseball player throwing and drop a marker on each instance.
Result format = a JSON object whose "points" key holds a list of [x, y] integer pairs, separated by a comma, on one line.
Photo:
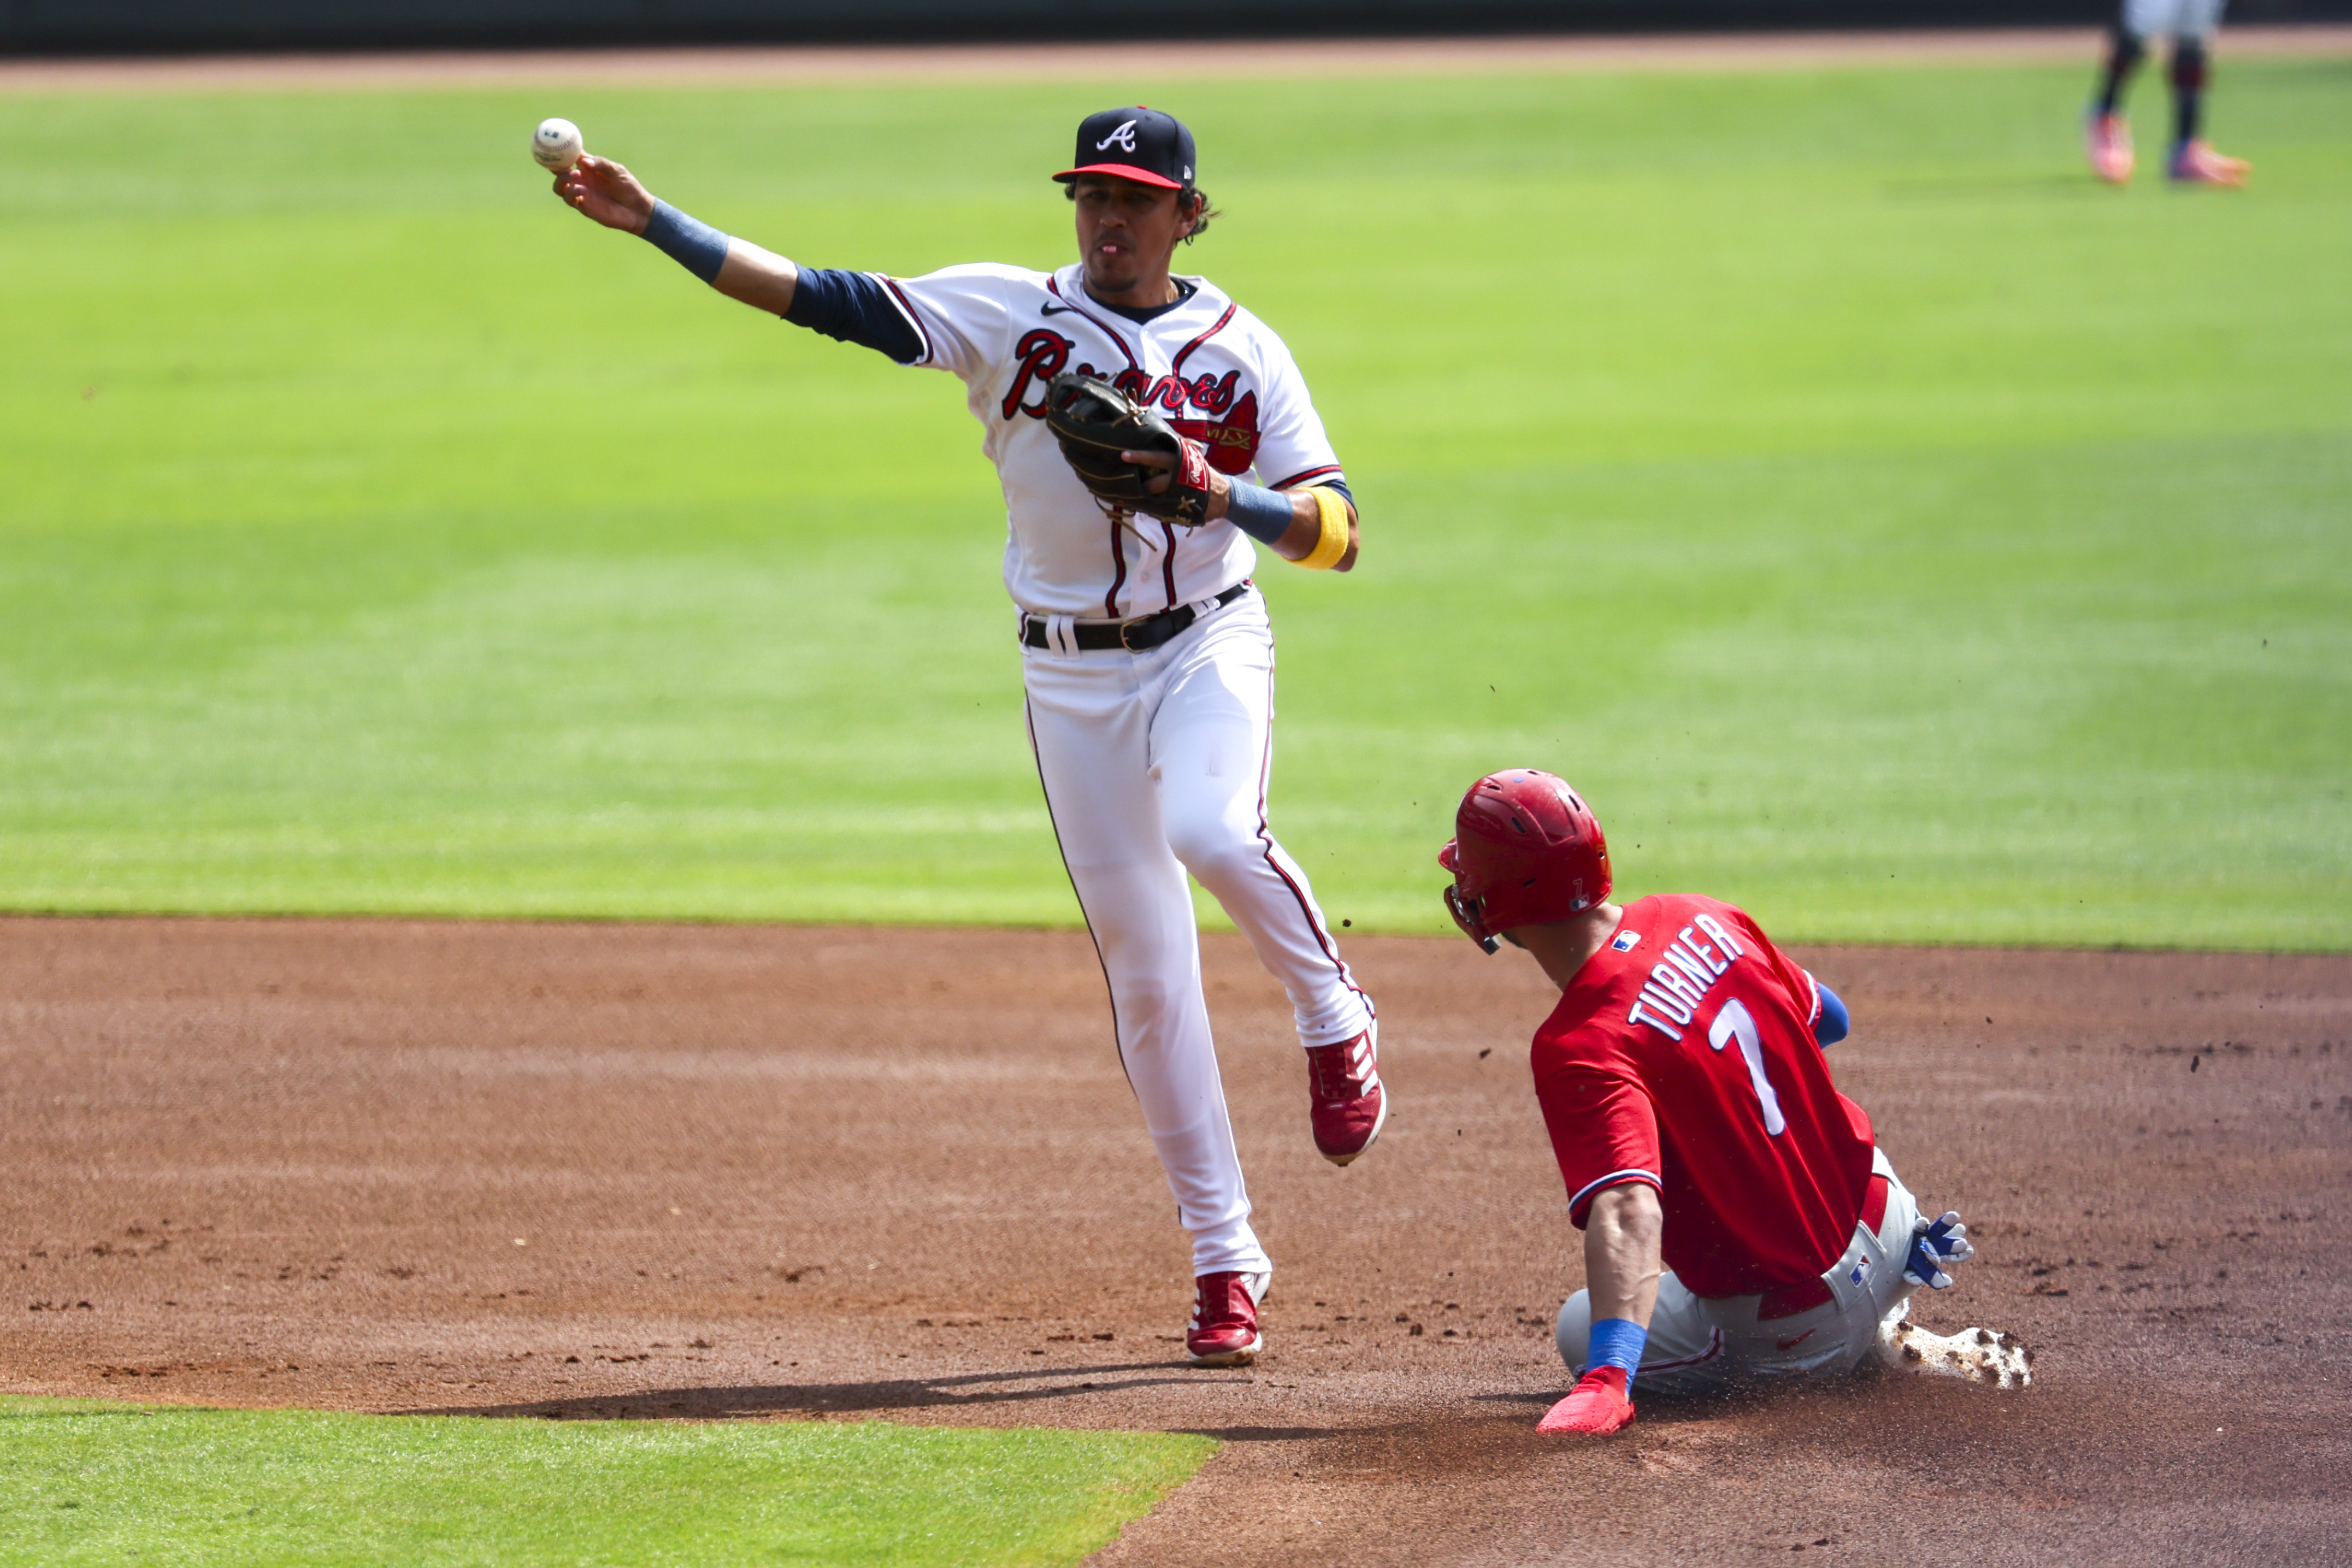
{"points": [[1682, 1080], [1146, 653]]}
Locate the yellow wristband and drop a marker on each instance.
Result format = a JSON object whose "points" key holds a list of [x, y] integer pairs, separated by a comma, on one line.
{"points": [[1333, 542]]}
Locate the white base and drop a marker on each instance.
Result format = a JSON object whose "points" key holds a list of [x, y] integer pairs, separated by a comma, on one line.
{"points": [[1987, 1356]]}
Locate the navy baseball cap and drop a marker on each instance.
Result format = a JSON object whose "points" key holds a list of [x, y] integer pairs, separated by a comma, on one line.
{"points": [[1141, 144]]}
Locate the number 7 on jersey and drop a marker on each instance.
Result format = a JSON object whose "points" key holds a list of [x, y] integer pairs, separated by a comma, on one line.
{"points": [[1733, 1019]]}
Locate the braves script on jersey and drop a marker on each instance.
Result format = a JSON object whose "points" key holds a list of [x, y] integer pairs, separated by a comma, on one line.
{"points": [[1215, 370], [1683, 1055]]}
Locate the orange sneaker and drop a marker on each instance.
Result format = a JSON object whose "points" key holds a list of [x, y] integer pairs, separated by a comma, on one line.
{"points": [[2106, 141], [1596, 1407], [2196, 164]]}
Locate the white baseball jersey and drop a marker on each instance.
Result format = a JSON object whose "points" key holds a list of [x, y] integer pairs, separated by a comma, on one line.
{"points": [[1154, 762], [1215, 372]]}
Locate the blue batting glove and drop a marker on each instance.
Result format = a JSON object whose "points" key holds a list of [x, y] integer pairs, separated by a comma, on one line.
{"points": [[1933, 1246]]}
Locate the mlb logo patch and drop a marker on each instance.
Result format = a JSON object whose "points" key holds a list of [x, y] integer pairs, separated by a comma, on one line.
{"points": [[1625, 939], [1861, 1274]]}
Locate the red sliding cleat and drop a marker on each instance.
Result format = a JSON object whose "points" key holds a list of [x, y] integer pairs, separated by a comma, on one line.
{"points": [[1596, 1407]]}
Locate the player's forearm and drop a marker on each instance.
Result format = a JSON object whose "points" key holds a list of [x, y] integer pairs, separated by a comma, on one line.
{"points": [[1260, 513], [736, 268], [1621, 1259], [760, 279], [607, 193], [1306, 530]]}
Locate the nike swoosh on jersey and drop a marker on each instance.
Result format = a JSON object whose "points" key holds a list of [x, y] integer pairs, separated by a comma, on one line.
{"points": [[1057, 309], [1792, 1345]]}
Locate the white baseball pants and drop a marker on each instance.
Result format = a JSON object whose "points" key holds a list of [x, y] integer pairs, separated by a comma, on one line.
{"points": [[1698, 1343], [1155, 764]]}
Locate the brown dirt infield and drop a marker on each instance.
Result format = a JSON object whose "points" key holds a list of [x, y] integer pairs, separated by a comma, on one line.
{"points": [[815, 65], [741, 1172]]}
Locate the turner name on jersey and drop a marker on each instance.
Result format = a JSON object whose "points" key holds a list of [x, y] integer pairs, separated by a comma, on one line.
{"points": [[1687, 968], [1218, 373]]}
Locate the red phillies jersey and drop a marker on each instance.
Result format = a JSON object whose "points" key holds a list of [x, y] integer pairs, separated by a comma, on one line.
{"points": [[1683, 1056]]}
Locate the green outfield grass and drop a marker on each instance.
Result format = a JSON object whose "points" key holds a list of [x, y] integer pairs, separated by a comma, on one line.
{"points": [[83, 1482], [1889, 529]]}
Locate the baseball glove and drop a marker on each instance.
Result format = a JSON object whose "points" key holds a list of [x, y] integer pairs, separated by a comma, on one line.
{"points": [[1095, 422]]}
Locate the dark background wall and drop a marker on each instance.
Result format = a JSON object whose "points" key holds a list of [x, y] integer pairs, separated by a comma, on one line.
{"points": [[137, 26]]}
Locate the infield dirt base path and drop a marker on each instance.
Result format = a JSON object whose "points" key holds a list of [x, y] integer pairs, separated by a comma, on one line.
{"points": [[807, 65], [737, 1172]]}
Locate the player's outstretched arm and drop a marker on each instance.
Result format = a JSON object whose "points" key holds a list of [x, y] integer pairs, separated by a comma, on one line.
{"points": [[607, 193]]}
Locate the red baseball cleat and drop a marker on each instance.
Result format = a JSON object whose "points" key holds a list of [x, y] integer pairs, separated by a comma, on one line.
{"points": [[1348, 1106], [2106, 141], [1223, 1330], [1596, 1407], [2196, 164]]}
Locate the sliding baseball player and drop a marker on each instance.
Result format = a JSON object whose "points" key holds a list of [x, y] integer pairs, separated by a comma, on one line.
{"points": [[1740, 1219]]}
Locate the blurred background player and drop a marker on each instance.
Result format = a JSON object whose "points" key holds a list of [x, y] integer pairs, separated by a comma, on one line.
{"points": [[1147, 658], [2107, 136], [1740, 1219]]}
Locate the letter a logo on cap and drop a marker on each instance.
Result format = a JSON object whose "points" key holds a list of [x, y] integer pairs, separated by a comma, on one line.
{"points": [[1133, 144]]}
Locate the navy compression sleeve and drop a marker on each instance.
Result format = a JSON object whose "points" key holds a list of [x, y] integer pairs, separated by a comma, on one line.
{"points": [[856, 308], [1834, 1024], [691, 243], [1264, 514], [1261, 514]]}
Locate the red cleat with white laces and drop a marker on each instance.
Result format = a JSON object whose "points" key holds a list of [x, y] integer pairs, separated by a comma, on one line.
{"points": [[1223, 1330], [2196, 164], [2106, 141], [1595, 1407], [1347, 1105]]}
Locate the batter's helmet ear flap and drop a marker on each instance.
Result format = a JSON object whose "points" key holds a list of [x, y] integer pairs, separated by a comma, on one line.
{"points": [[1465, 915], [1466, 912]]}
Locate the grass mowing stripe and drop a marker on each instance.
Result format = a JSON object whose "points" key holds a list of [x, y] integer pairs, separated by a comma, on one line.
{"points": [[1886, 526], [85, 1482]]}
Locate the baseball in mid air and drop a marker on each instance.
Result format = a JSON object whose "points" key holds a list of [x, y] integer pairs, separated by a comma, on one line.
{"points": [[556, 144]]}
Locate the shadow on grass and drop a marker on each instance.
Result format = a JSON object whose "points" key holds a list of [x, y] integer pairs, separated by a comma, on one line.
{"points": [[753, 1402], [1037, 1385]]}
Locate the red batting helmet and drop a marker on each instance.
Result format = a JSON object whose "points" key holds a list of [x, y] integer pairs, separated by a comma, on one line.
{"points": [[1525, 850]]}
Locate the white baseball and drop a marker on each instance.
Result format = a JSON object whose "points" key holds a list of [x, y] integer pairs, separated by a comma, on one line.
{"points": [[556, 144]]}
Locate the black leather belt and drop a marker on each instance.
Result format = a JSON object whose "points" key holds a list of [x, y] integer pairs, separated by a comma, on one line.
{"points": [[1139, 636]]}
